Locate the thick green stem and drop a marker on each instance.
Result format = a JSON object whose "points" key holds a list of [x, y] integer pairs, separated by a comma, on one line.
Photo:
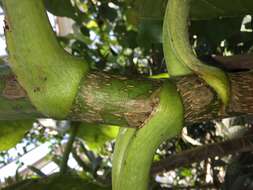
{"points": [[58, 86], [51, 78], [131, 164], [200, 101], [115, 100], [49, 75]]}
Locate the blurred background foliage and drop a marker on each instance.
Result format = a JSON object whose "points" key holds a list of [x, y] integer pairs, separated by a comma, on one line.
{"points": [[124, 37]]}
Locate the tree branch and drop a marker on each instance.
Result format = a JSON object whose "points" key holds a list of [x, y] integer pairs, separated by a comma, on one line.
{"points": [[185, 158], [117, 100], [235, 62], [61, 86]]}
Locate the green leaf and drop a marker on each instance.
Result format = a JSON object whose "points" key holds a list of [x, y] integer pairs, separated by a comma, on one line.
{"points": [[61, 8], [186, 172], [58, 182], [151, 30], [11, 132], [145, 10], [147, 17], [209, 9], [96, 135], [200, 9], [215, 19]]}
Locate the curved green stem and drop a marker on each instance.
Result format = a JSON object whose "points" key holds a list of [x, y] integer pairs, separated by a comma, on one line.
{"points": [[179, 54], [124, 137], [134, 153], [51, 79], [49, 75]]}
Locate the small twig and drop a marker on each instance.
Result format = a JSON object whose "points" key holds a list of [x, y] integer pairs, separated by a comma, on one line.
{"points": [[37, 171], [185, 158], [236, 62], [88, 153], [69, 145], [80, 162]]}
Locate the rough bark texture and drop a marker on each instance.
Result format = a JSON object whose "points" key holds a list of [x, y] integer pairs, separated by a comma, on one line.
{"points": [[117, 100], [14, 103], [202, 104], [200, 101]]}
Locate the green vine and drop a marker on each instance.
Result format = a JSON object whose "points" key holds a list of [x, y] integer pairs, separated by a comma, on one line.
{"points": [[135, 148], [179, 55], [49, 75], [51, 78]]}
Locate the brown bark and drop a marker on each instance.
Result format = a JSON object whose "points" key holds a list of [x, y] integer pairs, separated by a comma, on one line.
{"points": [[235, 62], [14, 103], [116, 100], [185, 158], [200, 101]]}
